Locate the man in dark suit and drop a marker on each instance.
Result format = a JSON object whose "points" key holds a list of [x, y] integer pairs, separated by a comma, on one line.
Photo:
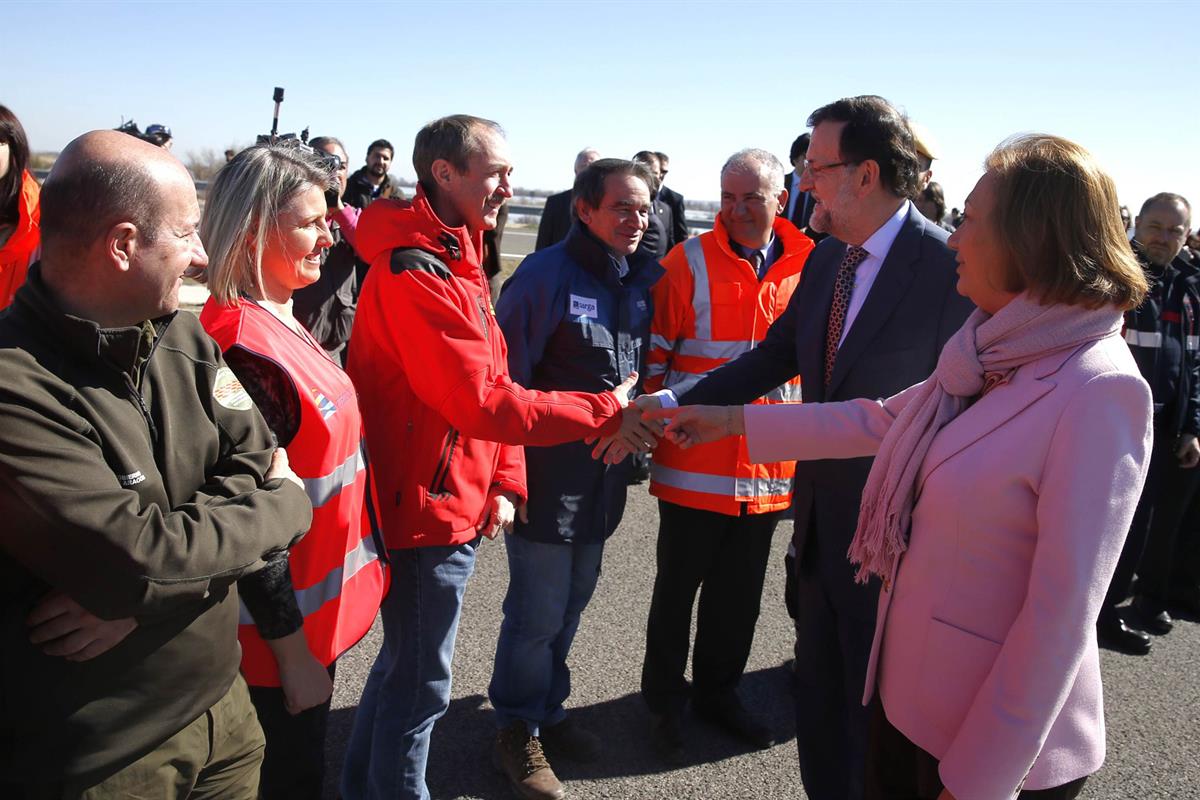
{"points": [[875, 304], [799, 207], [674, 200], [557, 213]]}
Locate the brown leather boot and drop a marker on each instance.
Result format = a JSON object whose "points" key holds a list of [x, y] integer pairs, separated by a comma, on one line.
{"points": [[519, 756]]}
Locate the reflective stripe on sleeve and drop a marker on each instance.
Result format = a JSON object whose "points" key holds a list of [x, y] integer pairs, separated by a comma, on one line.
{"points": [[1151, 339], [701, 299], [724, 485]]}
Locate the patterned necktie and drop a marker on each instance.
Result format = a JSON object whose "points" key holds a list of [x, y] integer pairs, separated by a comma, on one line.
{"points": [[843, 285], [755, 257]]}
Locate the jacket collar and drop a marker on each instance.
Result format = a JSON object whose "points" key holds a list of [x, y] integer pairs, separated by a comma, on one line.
{"points": [[590, 253], [389, 224], [787, 235], [122, 349]]}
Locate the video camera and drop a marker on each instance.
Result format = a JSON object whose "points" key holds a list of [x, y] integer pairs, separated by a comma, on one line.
{"points": [[331, 161]]}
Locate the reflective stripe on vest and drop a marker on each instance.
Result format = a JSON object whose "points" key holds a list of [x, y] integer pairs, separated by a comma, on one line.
{"points": [[724, 485], [321, 490], [313, 597]]}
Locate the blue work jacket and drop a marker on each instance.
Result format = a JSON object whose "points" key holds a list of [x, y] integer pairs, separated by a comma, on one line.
{"points": [[573, 324]]}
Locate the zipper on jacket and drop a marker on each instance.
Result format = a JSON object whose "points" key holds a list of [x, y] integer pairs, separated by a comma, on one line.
{"points": [[437, 486], [483, 318], [136, 395]]}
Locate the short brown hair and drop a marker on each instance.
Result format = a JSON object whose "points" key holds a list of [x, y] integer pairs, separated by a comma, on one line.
{"points": [[454, 139], [1058, 216]]}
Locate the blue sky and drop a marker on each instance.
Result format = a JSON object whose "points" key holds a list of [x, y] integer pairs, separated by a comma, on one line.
{"points": [[697, 80]]}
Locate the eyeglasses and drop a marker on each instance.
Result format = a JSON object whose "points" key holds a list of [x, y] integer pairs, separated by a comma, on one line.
{"points": [[817, 169]]}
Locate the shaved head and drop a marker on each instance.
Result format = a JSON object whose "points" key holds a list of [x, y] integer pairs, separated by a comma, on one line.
{"points": [[120, 228], [100, 179]]}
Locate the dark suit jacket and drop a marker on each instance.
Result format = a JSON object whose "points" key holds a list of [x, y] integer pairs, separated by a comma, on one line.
{"points": [[679, 229], [895, 341], [556, 220], [657, 240], [800, 214]]}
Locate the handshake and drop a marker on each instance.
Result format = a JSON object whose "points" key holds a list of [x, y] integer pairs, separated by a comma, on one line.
{"points": [[639, 433]]}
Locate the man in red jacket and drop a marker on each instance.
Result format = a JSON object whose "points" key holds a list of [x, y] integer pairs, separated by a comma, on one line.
{"points": [[444, 426]]}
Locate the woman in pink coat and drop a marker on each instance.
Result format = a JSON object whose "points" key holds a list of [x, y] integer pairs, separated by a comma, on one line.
{"points": [[1000, 495]]}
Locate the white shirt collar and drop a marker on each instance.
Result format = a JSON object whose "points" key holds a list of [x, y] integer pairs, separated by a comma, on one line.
{"points": [[880, 242]]}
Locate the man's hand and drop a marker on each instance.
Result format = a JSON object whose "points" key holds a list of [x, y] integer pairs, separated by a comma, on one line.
{"points": [[281, 469], [624, 388], [636, 435], [64, 628], [498, 513], [306, 683], [693, 425], [1188, 451]]}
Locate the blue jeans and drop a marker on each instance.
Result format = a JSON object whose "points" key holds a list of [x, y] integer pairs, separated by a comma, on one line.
{"points": [[549, 585], [409, 685]]}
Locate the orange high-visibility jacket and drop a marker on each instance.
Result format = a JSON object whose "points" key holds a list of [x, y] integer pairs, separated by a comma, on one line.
{"points": [[337, 573], [710, 308]]}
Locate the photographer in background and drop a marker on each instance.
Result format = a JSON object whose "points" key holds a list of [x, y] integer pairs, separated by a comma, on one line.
{"points": [[371, 181], [326, 308]]}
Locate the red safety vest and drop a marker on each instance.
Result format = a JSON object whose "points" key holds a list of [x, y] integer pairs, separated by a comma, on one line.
{"points": [[338, 576], [18, 252]]}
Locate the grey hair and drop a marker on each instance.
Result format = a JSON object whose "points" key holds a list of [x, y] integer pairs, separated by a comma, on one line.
{"points": [[756, 161], [584, 153], [242, 212]]}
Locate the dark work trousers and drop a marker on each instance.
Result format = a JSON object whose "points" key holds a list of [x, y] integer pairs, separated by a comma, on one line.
{"points": [[1185, 574], [899, 770], [723, 557], [1162, 463], [835, 623], [294, 763], [1163, 551]]}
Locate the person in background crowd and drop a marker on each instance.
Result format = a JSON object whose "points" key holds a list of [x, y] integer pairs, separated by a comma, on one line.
{"points": [[925, 156], [717, 513], [445, 424], [265, 230], [932, 203], [558, 214], [371, 181], [1162, 333], [674, 200], [875, 305], [800, 204], [137, 484], [988, 672], [229, 154], [19, 212], [1126, 221], [576, 317], [326, 306], [657, 239], [159, 136]]}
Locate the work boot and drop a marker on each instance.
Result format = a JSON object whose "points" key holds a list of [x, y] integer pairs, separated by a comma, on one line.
{"points": [[570, 741], [519, 756]]}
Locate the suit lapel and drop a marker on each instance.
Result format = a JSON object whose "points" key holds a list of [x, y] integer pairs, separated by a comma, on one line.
{"points": [[895, 275]]}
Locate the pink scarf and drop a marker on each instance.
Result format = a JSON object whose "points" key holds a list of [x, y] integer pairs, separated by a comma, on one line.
{"points": [[1021, 332]]}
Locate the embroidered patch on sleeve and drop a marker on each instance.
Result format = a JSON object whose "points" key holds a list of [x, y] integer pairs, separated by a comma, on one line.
{"points": [[228, 391]]}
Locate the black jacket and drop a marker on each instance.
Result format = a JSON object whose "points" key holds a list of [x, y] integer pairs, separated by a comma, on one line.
{"points": [[131, 478], [679, 228], [556, 220], [360, 192], [572, 324], [1168, 321]]}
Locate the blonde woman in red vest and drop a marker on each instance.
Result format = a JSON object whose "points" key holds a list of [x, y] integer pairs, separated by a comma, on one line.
{"points": [[19, 210], [265, 229]]}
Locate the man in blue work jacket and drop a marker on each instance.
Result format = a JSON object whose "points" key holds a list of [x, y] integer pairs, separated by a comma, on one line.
{"points": [[576, 316]]}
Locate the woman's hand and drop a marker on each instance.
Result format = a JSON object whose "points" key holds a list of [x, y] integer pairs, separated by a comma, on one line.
{"points": [[306, 682], [499, 512], [64, 628], [693, 425], [624, 388]]}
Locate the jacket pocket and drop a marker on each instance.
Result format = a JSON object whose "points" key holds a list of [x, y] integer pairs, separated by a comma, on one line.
{"points": [[437, 485], [956, 664]]}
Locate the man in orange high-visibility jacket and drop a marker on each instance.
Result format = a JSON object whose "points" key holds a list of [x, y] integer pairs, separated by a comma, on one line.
{"points": [[717, 511]]}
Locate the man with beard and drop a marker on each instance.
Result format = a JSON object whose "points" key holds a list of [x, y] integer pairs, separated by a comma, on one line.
{"points": [[1162, 334], [875, 304], [371, 181]]}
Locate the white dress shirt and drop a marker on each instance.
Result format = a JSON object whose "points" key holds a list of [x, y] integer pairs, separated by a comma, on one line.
{"points": [[877, 246]]}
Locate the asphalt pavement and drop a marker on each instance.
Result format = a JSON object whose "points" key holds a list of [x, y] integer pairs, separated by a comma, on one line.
{"points": [[1152, 703]]}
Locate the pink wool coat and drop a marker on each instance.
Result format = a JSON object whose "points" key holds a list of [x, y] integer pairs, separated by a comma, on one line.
{"points": [[985, 639]]}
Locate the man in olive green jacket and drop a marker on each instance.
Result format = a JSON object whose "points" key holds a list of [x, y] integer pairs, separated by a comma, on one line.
{"points": [[137, 484]]}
